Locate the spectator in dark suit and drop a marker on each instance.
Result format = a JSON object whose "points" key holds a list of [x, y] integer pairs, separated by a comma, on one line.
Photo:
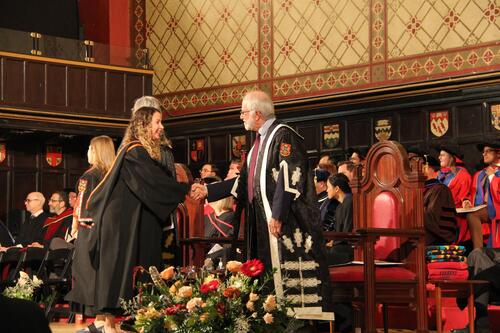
{"points": [[32, 229]]}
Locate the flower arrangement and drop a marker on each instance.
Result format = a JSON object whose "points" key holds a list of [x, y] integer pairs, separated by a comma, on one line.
{"points": [[24, 288], [236, 301]]}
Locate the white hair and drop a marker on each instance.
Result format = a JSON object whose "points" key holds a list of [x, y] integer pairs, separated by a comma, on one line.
{"points": [[259, 101], [146, 102]]}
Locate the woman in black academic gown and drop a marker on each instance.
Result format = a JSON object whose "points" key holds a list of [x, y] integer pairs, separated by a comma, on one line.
{"points": [[100, 155], [130, 207]]}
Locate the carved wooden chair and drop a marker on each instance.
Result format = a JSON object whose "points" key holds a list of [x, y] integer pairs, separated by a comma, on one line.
{"points": [[388, 225]]}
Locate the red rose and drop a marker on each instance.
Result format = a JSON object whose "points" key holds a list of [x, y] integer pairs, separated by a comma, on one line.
{"points": [[232, 292], [174, 309], [252, 268], [209, 286]]}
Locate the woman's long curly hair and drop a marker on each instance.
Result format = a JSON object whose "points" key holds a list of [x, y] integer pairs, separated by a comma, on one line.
{"points": [[139, 129]]}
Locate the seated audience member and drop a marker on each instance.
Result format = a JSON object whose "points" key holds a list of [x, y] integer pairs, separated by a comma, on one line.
{"points": [[328, 163], [234, 169], [56, 226], [484, 264], [356, 156], [326, 206], [486, 190], [346, 168], [218, 221], [439, 209], [71, 196], [208, 170], [338, 188], [31, 230]]}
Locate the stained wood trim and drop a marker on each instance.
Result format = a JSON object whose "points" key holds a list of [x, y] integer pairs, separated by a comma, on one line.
{"points": [[76, 63]]}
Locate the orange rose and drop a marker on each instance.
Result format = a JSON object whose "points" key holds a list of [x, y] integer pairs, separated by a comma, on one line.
{"points": [[233, 266], [268, 318], [185, 292], [269, 304], [194, 303], [168, 273], [232, 292]]}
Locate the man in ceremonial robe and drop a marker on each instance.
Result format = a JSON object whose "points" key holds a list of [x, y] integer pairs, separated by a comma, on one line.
{"points": [[56, 226], [458, 180], [439, 208], [283, 228], [486, 190]]}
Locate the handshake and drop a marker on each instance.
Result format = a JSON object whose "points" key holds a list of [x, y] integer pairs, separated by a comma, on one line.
{"points": [[198, 191]]}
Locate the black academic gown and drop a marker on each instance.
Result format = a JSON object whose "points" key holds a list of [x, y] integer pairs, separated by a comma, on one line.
{"points": [[284, 190], [439, 214], [130, 207], [83, 273], [32, 230]]}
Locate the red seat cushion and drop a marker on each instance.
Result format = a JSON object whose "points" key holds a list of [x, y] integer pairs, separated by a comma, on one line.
{"points": [[355, 273], [385, 215]]}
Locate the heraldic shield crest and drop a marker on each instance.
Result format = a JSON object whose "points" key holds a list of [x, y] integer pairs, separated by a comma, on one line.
{"points": [[197, 150], [3, 152], [331, 135], [495, 116], [238, 143], [383, 129], [439, 123], [54, 155]]}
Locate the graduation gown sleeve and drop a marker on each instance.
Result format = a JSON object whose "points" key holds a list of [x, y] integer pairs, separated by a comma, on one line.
{"points": [[148, 182]]}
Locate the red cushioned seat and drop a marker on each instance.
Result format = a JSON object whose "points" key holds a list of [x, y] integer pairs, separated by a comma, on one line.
{"points": [[354, 273]]}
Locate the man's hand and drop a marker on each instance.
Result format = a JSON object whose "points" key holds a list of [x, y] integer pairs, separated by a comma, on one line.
{"points": [[466, 204], [198, 191], [274, 227], [36, 244]]}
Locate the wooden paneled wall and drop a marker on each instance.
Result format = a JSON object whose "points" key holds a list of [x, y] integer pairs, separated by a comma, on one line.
{"points": [[25, 168], [47, 87], [470, 120]]}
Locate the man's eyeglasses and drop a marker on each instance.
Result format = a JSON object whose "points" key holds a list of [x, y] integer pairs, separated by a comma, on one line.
{"points": [[30, 200], [205, 170], [55, 200]]}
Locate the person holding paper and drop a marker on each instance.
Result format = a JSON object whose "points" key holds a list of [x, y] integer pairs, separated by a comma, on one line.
{"points": [[486, 190], [458, 180]]}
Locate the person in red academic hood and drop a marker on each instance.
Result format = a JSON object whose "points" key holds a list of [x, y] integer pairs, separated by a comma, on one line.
{"points": [[486, 190], [56, 226], [458, 180]]}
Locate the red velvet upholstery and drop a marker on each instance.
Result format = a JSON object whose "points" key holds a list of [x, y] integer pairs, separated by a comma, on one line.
{"points": [[385, 215], [355, 273]]}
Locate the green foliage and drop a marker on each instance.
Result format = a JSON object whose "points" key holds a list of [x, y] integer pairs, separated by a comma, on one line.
{"points": [[228, 302]]}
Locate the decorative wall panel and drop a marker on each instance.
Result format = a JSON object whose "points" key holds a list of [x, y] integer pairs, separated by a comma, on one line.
{"points": [[207, 54]]}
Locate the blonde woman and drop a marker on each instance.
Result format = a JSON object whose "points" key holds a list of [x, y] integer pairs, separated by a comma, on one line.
{"points": [[100, 155], [130, 207]]}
